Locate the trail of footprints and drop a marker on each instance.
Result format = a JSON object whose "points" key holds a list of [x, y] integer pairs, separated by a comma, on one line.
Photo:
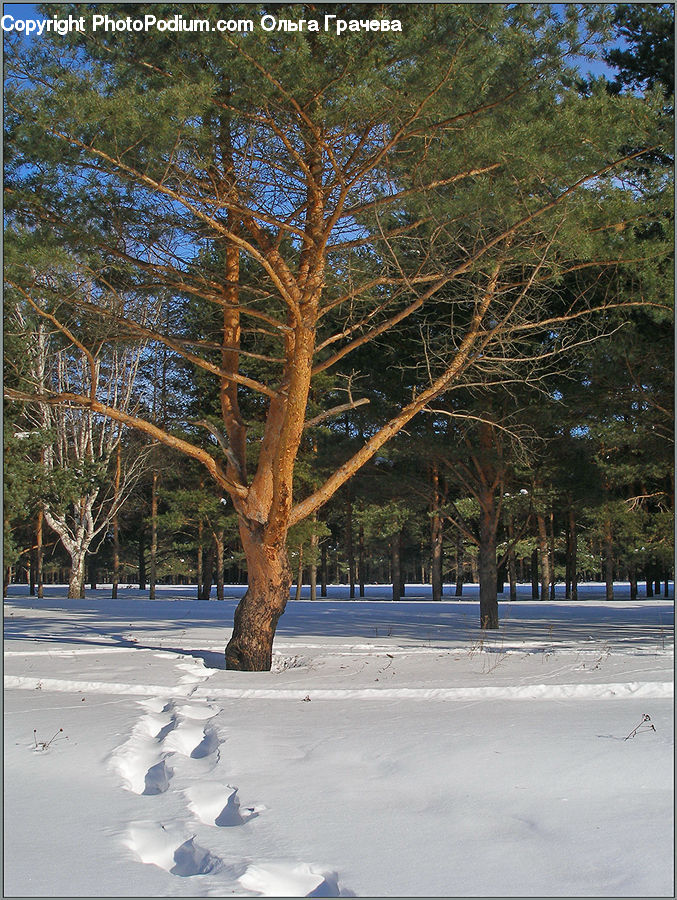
{"points": [[177, 738]]}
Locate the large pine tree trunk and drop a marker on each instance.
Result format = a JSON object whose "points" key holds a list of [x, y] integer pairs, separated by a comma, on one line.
{"points": [[269, 580]]}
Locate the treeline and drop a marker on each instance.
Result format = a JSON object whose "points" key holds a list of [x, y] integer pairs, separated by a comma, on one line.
{"points": [[563, 488]]}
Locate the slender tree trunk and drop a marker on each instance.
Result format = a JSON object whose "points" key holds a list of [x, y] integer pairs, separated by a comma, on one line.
{"points": [[436, 537], [314, 540], [323, 569], [573, 553], [666, 586], [299, 576], [218, 541], [551, 547], [116, 557], [534, 574], [649, 582], [350, 550], [544, 554], [361, 563], [153, 536], [200, 559], [608, 560], [459, 565], [207, 572], [396, 563], [512, 569], [116, 527], [632, 574], [142, 559], [487, 567], [657, 586], [92, 573], [39, 554], [31, 572], [403, 585], [269, 580]]}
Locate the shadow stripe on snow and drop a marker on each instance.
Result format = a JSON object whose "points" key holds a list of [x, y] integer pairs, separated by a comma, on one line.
{"points": [[653, 690]]}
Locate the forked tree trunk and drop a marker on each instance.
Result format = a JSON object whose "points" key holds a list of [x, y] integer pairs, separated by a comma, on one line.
{"points": [[269, 580], [76, 580]]}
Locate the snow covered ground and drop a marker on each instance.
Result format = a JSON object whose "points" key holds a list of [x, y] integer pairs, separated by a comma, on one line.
{"points": [[392, 751]]}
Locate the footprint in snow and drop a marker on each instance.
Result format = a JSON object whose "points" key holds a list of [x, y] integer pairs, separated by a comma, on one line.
{"points": [[157, 778], [218, 804], [290, 880], [168, 848]]}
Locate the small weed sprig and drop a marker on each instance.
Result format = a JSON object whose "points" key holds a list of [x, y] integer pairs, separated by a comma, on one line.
{"points": [[44, 745], [643, 726]]}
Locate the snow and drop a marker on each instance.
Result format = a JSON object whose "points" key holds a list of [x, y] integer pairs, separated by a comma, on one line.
{"points": [[394, 750]]}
